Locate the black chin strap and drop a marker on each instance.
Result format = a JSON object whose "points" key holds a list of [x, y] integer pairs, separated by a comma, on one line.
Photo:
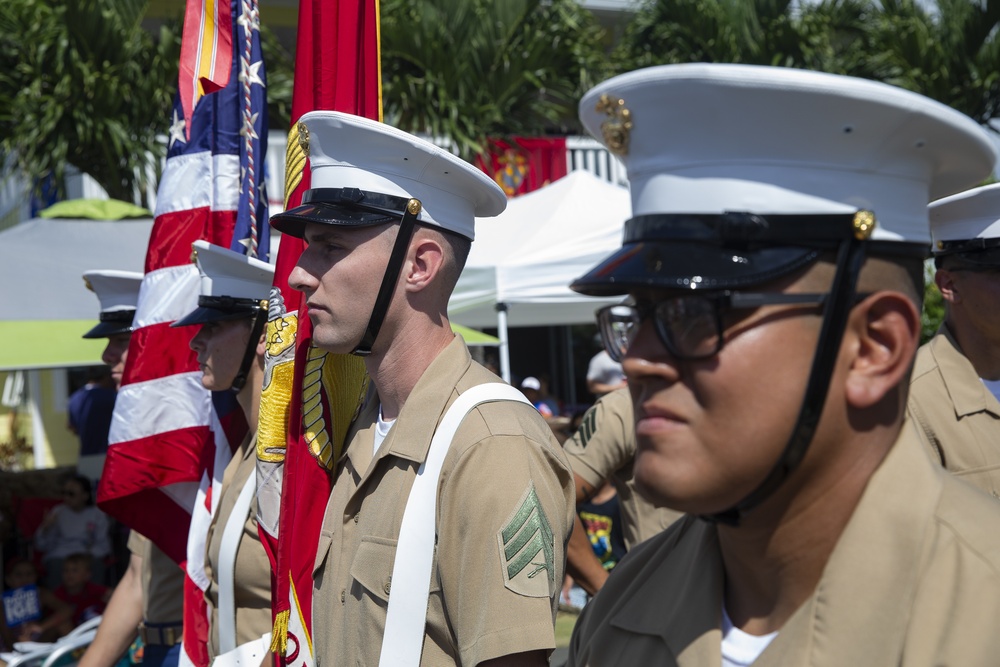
{"points": [[259, 320], [389, 278], [850, 257]]}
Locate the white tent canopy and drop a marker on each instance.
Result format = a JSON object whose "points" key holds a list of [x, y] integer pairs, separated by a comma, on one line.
{"points": [[526, 257], [44, 305]]}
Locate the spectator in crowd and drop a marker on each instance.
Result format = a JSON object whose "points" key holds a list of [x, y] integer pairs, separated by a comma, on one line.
{"points": [[87, 598], [89, 417], [74, 526], [535, 392], [56, 618], [604, 374]]}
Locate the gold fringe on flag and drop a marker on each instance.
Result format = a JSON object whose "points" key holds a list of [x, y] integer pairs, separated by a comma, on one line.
{"points": [[279, 633]]}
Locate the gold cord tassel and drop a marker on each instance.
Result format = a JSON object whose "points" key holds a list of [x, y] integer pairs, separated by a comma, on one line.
{"points": [[279, 633]]}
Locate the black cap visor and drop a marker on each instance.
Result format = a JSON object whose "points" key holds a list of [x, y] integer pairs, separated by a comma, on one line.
{"points": [[717, 252], [975, 253], [690, 266], [112, 324], [345, 207], [219, 309]]}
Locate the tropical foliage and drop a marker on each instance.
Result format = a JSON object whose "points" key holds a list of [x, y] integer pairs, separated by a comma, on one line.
{"points": [[82, 83], [464, 70], [950, 52]]}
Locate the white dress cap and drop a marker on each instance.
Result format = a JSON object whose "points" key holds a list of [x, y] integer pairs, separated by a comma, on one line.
{"points": [[973, 214], [116, 290], [713, 138], [348, 151], [225, 272]]}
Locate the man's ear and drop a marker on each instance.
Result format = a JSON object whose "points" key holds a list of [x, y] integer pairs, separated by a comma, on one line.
{"points": [[262, 343], [945, 281], [885, 332], [426, 260]]}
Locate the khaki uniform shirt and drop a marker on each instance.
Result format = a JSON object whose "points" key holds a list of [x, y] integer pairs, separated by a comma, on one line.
{"points": [[162, 583], [504, 512], [252, 572], [603, 448], [956, 416], [914, 580]]}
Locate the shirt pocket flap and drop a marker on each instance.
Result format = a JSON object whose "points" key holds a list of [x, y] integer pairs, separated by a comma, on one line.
{"points": [[372, 566], [322, 549]]}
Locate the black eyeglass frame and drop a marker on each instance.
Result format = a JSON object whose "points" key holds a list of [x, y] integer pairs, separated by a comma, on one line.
{"points": [[720, 301]]}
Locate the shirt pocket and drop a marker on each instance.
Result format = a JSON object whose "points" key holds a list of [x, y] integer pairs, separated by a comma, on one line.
{"points": [[371, 569]]}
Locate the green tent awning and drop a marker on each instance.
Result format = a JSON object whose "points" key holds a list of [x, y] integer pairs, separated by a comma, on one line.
{"points": [[48, 344]]}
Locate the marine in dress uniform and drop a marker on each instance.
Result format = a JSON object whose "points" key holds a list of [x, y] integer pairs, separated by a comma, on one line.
{"points": [[232, 312], [774, 271], [603, 449], [388, 223], [150, 596], [956, 380]]}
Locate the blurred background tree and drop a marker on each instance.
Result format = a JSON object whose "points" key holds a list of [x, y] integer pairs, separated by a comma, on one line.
{"points": [[83, 84], [465, 70]]}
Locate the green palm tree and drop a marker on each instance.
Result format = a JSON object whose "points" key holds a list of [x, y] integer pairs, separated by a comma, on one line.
{"points": [[466, 70], [82, 83], [951, 55], [829, 35]]}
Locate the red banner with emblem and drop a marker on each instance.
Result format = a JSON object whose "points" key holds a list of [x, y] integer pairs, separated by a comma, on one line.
{"points": [[522, 164]]}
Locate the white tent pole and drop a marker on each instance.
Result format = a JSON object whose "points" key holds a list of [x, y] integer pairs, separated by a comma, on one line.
{"points": [[504, 344], [38, 439]]}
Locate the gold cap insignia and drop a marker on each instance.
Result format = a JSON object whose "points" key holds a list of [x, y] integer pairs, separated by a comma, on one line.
{"points": [[617, 128], [87, 283], [414, 207], [864, 225], [303, 137]]}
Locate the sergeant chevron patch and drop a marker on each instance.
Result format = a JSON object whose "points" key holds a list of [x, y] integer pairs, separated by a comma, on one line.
{"points": [[527, 549]]}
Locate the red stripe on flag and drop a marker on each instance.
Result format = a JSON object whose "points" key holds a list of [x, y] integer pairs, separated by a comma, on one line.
{"points": [[172, 236], [162, 337]]}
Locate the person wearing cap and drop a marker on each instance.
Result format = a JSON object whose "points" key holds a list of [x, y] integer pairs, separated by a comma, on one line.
{"points": [[955, 388], [118, 294], [231, 313], [603, 450], [774, 268], [531, 387], [150, 595], [388, 225], [91, 407]]}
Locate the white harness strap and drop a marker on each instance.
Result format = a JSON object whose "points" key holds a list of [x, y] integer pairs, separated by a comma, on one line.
{"points": [[231, 536], [406, 618]]}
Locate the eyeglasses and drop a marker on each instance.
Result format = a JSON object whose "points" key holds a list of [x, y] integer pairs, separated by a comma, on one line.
{"points": [[690, 327]]}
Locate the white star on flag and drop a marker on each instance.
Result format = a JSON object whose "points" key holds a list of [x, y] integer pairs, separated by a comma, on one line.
{"points": [[252, 74], [176, 130]]}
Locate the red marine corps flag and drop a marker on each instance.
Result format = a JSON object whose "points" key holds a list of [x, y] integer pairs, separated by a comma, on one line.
{"points": [[171, 439], [309, 396]]}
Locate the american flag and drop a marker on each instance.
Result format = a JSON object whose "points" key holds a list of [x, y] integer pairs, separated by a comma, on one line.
{"points": [[171, 439], [309, 396]]}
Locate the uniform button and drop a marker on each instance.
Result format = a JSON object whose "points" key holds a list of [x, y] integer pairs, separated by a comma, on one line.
{"points": [[357, 517], [387, 586], [343, 595]]}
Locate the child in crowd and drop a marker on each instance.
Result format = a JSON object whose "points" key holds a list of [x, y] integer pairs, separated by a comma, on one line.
{"points": [[87, 598], [56, 619], [75, 526]]}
